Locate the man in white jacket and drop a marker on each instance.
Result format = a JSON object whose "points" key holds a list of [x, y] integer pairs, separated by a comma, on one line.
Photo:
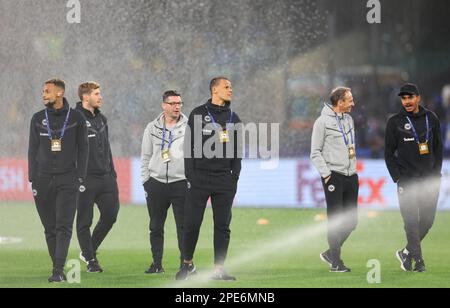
{"points": [[162, 173], [333, 153]]}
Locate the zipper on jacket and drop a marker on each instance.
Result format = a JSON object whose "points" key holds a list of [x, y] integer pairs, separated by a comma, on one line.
{"points": [[349, 160], [167, 173]]}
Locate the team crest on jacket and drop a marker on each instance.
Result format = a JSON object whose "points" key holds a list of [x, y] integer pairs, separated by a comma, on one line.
{"points": [[35, 192], [331, 188], [44, 122], [207, 118], [408, 126], [88, 124]]}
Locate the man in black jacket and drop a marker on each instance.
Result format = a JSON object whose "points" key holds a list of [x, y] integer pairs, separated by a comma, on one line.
{"points": [[101, 183], [214, 174], [57, 162], [413, 156]]}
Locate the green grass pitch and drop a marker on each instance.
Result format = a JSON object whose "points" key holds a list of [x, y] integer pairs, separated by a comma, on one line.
{"points": [[259, 255]]}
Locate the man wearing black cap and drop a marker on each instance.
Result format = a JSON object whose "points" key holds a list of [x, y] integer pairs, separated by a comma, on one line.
{"points": [[413, 154]]}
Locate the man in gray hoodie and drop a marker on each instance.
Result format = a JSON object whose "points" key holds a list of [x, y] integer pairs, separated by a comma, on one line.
{"points": [[333, 153], [162, 173]]}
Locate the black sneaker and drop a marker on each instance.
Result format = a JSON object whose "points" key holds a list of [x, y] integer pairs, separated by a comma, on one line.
{"points": [[222, 275], [339, 268], [405, 260], [94, 267], [186, 270], [155, 269], [57, 276], [420, 266], [326, 257]]}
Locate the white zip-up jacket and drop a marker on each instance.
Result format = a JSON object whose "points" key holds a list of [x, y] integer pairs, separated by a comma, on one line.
{"points": [[328, 149], [152, 165]]}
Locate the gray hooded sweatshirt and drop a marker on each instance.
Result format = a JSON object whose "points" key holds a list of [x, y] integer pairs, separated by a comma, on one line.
{"points": [[152, 165], [328, 149]]}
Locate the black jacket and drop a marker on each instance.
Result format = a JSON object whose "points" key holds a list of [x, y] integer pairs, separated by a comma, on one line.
{"points": [[100, 156], [75, 148], [402, 151], [222, 117]]}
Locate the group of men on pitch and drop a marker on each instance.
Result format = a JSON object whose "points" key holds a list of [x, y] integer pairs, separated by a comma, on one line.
{"points": [[71, 168], [413, 155]]}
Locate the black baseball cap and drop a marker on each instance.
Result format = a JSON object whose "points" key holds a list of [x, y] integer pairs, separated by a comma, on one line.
{"points": [[409, 89]]}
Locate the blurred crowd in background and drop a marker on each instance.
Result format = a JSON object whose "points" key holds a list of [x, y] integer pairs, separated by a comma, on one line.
{"points": [[283, 58]]}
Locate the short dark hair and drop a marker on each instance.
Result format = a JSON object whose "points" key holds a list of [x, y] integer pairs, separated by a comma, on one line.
{"points": [[57, 83], [169, 93], [215, 82], [338, 94], [87, 88]]}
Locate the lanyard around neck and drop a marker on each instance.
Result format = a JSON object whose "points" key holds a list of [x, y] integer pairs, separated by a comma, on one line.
{"points": [[164, 137], [63, 129], [213, 120], [343, 132], [416, 136]]}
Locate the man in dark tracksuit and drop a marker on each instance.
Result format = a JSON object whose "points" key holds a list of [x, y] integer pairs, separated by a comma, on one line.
{"points": [[57, 162], [162, 173], [214, 176], [413, 154], [333, 154], [101, 183]]}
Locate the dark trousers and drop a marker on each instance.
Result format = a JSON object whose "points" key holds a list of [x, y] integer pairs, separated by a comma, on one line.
{"points": [[159, 198], [56, 203], [103, 191], [221, 187], [418, 200], [341, 193]]}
